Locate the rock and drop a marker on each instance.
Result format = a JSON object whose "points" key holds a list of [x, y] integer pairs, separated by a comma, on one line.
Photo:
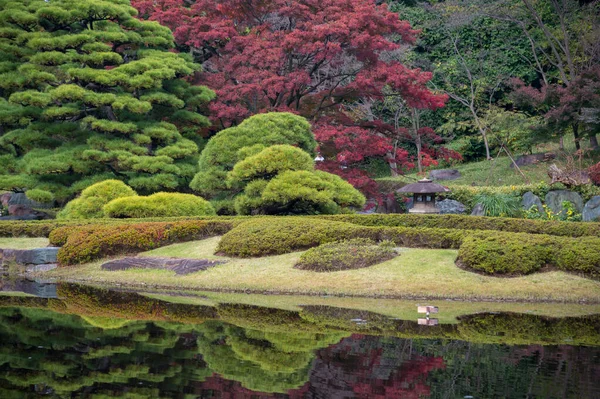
{"points": [[179, 266], [41, 268], [554, 200], [4, 198], [591, 210], [38, 256], [530, 200], [22, 210], [451, 206], [533, 159], [478, 210], [444, 174], [21, 199]]}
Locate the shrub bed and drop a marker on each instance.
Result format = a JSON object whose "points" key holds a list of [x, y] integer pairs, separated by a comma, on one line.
{"points": [[95, 241], [345, 255]]}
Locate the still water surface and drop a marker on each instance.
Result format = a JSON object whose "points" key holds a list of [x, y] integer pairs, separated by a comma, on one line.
{"points": [[97, 344]]}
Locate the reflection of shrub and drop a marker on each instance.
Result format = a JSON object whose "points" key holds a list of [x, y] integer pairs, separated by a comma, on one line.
{"points": [[91, 242], [92, 199], [344, 255], [159, 205], [525, 329]]}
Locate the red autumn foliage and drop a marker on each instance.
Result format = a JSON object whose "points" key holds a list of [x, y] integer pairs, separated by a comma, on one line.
{"points": [[308, 57]]}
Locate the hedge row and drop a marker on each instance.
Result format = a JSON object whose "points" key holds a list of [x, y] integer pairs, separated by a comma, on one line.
{"points": [[87, 243], [467, 222], [43, 228], [518, 253]]}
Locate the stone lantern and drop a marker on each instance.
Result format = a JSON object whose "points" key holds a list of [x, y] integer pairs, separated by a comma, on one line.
{"points": [[424, 192]]}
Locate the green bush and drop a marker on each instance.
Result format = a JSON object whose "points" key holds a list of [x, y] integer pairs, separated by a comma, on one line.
{"points": [[224, 150], [345, 255], [40, 195], [514, 254], [299, 192], [270, 162], [159, 205], [505, 253], [91, 201], [92, 242]]}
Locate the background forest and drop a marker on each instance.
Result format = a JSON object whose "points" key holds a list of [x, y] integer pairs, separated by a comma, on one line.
{"points": [[133, 91]]}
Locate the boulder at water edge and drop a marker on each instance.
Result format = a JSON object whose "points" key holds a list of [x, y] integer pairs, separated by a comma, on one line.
{"points": [[591, 210], [530, 200], [554, 200], [449, 206]]}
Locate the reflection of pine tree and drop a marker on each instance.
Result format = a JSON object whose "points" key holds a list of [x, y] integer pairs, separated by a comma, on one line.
{"points": [[261, 361]]}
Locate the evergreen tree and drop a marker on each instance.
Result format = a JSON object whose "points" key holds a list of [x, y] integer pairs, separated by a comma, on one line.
{"points": [[89, 92]]}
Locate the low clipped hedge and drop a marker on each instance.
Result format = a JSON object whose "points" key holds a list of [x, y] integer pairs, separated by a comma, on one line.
{"points": [[91, 242], [517, 253], [345, 255], [467, 222], [159, 205]]}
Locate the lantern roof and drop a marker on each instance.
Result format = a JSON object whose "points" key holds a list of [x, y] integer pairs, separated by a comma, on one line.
{"points": [[423, 186]]}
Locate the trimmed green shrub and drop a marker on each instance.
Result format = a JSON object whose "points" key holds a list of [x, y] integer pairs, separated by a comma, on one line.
{"points": [[505, 253], [91, 201], [38, 195], [345, 255], [159, 205], [92, 242], [514, 254], [299, 192], [224, 150], [270, 162]]}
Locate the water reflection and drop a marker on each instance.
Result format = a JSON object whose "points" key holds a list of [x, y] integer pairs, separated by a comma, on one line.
{"points": [[243, 351]]}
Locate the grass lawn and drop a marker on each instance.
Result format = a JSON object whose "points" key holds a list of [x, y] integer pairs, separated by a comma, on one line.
{"points": [[23, 243], [416, 273]]}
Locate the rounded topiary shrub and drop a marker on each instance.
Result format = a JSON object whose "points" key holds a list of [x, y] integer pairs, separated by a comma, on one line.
{"points": [[345, 255], [580, 255], [505, 253], [159, 205], [91, 201]]}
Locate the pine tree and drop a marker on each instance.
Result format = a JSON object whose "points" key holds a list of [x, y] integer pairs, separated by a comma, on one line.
{"points": [[89, 92]]}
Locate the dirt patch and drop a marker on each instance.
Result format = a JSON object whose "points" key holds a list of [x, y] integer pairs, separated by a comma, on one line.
{"points": [[179, 265]]}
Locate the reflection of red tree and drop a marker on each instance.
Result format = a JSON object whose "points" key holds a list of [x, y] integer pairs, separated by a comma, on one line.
{"points": [[228, 389]]}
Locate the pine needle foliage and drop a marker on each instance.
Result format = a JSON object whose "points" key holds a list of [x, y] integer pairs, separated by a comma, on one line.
{"points": [[86, 89]]}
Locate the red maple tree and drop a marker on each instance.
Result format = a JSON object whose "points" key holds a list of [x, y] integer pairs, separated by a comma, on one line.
{"points": [[310, 57]]}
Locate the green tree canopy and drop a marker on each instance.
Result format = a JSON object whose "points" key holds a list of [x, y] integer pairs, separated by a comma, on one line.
{"points": [[89, 92], [250, 137]]}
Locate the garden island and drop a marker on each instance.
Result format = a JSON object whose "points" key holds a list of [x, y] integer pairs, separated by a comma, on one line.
{"points": [[236, 196]]}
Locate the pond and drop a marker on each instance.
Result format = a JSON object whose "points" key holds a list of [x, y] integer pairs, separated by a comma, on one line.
{"points": [[94, 343]]}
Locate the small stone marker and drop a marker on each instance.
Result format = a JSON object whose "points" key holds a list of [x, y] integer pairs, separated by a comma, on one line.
{"points": [[179, 266], [427, 309], [428, 322]]}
